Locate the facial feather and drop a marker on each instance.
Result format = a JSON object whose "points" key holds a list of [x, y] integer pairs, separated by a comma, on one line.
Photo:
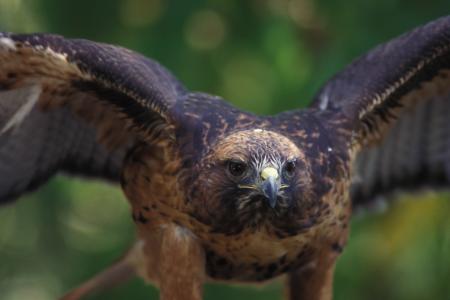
{"points": [[235, 203]]}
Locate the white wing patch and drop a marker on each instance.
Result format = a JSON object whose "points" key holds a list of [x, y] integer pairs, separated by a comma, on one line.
{"points": [[182, 233], [324, 100], [16, 104], [7, 43]]}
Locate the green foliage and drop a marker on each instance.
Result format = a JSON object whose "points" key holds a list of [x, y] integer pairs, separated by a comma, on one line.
{"points": [[263, 55]]}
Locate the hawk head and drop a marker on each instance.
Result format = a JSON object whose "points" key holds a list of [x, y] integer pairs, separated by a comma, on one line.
{"points": [[250, 179]]}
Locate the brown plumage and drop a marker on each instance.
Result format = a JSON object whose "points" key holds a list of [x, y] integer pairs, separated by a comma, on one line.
{"points": [[217, 193]]}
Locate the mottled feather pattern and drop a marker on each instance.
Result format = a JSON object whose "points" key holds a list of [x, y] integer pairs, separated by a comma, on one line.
{"points": [[415, 154], [78, 80], [419, 56], [396, 117], [118, 67], [218, 193], [59, 141]]}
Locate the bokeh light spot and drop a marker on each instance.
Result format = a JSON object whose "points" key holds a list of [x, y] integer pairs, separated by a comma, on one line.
{"points": [[248, 81], [141, 13], [38, 286], [97, 218], [205, 30]]}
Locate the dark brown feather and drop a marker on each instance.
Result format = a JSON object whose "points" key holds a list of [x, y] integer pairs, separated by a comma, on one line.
{"points": [[94, 102], [394, 103], [103, 110]]}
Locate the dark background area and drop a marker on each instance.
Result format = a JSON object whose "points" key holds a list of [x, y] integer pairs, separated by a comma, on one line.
{"points": [[265, 56]]}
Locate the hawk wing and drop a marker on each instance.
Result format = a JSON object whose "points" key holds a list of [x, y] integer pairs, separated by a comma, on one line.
{"points": [[394, 104], [76, 106]]}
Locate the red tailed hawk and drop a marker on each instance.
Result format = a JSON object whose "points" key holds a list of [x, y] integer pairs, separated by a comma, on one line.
{"points": [[218, 193]]}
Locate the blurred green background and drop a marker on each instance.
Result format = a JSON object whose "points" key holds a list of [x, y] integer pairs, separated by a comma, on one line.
{"points": [[263, 55]]}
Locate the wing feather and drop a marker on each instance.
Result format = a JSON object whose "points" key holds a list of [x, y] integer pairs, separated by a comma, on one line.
{"points": [[76, 106], [394, 104]]}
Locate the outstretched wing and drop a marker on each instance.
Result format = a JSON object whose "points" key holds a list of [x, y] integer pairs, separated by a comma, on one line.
{"points": [[395, 103], [76, 106]]}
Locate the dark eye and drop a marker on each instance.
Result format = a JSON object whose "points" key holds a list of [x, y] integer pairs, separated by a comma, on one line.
{"points": [[289, 168], [237, 168]]}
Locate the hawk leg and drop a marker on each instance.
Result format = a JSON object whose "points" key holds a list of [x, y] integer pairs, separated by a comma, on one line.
{"points": [[313, 283], [182, 265]]}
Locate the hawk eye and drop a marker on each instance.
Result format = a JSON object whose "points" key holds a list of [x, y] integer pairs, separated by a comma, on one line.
{"points": [[289, 168], [236, 168]]}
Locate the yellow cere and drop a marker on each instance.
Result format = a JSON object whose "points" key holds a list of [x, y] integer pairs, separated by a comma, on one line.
{"points": [[269, 172]]}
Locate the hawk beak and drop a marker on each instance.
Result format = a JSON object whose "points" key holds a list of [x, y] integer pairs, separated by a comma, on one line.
{"points": [[270, 185]]}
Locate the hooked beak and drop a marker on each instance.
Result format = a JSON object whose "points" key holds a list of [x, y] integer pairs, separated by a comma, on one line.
{"points": [[270, 185]]}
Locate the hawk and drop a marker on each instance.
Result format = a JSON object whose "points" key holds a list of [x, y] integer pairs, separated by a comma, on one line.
{"points": [[218, 193]]}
